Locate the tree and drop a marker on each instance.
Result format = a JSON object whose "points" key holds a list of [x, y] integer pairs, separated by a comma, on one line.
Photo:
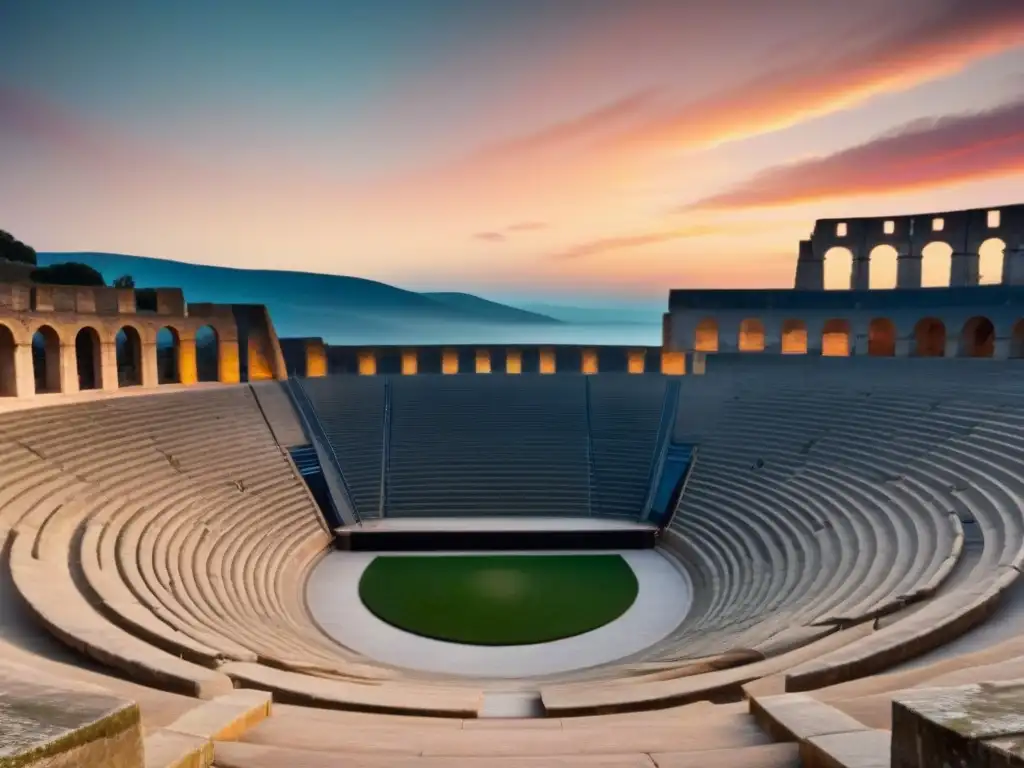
{"points": [[13, 249], [68, 273], [124, 281]]}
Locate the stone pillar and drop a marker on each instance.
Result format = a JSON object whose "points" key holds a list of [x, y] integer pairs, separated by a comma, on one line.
{"points": [[229, 367], [65, 378], [963, 270], [589, 364], [699, 363], [1001, 348], [903, 347], [953, 343], [483, 361], [108, 366], [810, 269], [1013, 266], [908, 269], [513, 361], [126, 301], [150, 377], [188, 371], [860, 273], [24, 372], [410, 362]]}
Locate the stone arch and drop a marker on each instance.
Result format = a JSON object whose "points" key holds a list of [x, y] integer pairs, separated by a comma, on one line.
{"points": [[88, 358], [881, 337], [794, 337], [978, 338], [128, 345], [46, 359], [835, 338], [990, 261], [168, 356], [207, 354], [1017, 339], [751, 336], [8, 366], [936, 265], [838, 269], [883, 267], [930, 338], [705, 335]]}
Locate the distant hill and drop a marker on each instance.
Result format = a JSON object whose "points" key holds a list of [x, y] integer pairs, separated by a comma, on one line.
{"points": [[599, 315], [341, 309], [499, 313]]}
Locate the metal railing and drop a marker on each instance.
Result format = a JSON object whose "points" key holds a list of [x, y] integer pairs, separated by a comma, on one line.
{"points": [[317, 432]]}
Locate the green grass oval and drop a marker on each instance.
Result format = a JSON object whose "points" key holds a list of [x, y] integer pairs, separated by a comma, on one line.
{"points": [[498, 599]]}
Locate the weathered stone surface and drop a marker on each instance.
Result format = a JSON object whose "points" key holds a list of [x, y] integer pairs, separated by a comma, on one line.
{"points": [[966, 727], [856, 749], [49, 726], [798, 717]]}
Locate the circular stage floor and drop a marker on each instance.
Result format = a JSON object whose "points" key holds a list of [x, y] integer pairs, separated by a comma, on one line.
{"points": [[662, 601]]}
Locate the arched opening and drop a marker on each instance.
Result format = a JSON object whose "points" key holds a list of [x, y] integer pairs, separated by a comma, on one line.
{"points": [[208, 354], [87, 358], [930, 338], [883, 268], [46, 360], [794, 337], [838, 269], [978, 338], [751, 338], [1017, 339], [168, 347], [835, 338], [936, 265], [705, 337], [129, 357], [990, 261], [8, 371], [882, 337]]}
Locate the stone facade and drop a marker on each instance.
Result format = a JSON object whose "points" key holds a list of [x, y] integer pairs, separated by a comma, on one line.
{"points": [[62, 339]]}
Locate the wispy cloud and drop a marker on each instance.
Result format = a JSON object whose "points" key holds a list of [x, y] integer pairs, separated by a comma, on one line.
{"points": [[640, 240], [959, 33], [939, 152], [490, 237], [527, 226]]}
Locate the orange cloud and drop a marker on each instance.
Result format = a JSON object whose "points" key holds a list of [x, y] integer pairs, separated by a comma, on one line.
{"points": [[924, 154], [962, 32], [716, 229]]}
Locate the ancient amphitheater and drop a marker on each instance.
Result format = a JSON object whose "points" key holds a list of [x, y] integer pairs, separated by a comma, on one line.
{"points": [[830, 483]]}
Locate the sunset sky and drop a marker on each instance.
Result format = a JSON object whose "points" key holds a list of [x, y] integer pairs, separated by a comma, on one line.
{"points": [[551, 150]]}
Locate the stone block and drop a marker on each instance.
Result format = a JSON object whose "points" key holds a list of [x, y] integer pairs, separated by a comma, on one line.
{"points": [[44, 725], [971, 726]]}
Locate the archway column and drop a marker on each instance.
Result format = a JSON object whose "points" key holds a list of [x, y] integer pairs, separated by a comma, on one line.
{"points": [[24, 371], [150, 376], [67, 369], [229, 369], [953, 345], [108, 366], [188, 368], [904, 346], [963, 269], [1013, 265], [860, 279], [908, 270], [1002, 347]]}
